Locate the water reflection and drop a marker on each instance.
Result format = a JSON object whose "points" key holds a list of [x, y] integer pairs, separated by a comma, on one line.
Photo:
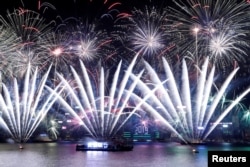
{"points": [[144, 154]]}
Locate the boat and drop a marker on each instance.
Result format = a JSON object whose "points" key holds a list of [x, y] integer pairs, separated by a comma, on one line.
{"points": [[105, 146]]}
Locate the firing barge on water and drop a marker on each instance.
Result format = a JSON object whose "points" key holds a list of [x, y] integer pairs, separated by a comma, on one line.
{"points": [[113, 145]]}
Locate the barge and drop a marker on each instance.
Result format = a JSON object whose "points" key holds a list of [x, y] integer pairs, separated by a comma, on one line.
{"points": [[105, 146]]}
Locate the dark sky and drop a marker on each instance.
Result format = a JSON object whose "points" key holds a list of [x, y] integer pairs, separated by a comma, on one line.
{"points": [[68, 8]]}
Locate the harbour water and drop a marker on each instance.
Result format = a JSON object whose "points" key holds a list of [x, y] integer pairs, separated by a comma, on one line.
{"points": [[143, 155]]}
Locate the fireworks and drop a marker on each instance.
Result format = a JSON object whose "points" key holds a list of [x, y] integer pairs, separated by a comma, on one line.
{"points": [[224, 48], [21, 60], [89, 43], [23, 29], [100, 111], [218, 30], [186, 109], [203, 31], [55, 48], [147, 33], [8, 41], [27, 25], [21, 107], [221, 29], [246, 117]]}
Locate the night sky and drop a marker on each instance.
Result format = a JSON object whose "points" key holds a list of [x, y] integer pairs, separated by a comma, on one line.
{"points": [[80, 8]]}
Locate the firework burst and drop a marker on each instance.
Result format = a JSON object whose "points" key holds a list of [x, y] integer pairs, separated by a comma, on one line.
{"points": [[22, 59], [225, 48], [27, 25], [8, 41], [90, 43], [217, 29], [87, 42], [55, 48], [147, 32]]}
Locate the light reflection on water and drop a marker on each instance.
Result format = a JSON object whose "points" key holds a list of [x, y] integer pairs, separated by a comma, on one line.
{"points": [[144, 154]]}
